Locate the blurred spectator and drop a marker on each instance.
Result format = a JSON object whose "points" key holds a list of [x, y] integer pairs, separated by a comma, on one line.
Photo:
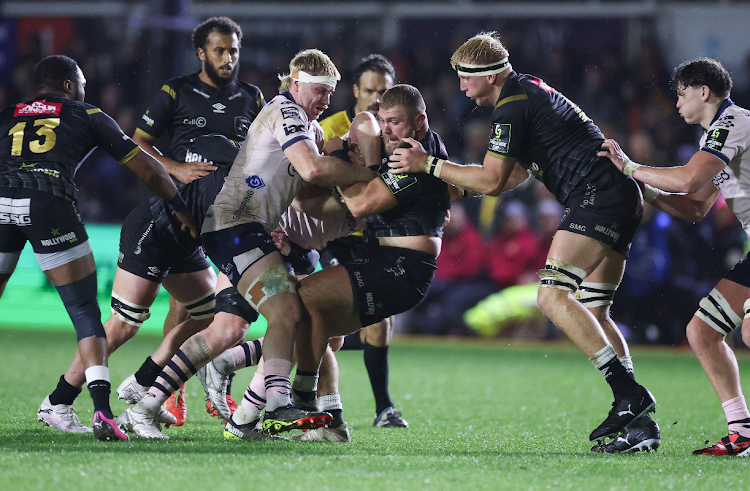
{"points": [[512, 251]]}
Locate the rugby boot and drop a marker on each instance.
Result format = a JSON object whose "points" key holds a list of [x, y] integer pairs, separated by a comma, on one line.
{"points": [[624, 411], [642, 435], [289, 417]]}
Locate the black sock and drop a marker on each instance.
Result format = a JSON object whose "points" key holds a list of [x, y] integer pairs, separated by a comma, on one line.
{"points": [[338, 418], [352, 342], [146, 375], [64, 393], [621, 382], [229, 385], [376, 361], [99, 390]]}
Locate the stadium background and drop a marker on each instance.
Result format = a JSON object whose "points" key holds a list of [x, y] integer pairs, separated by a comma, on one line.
{"points": [[612, 58]]}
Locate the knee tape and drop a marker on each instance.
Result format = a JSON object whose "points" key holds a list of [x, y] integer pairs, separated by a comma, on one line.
{"points": [[202, 307], [273, 281], [561, 276], [595, 294], [79, 299], [128, 312], [230, 301], [715, 311]]}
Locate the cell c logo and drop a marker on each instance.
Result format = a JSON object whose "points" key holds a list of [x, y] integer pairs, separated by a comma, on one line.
{"points": [[200, 122]]}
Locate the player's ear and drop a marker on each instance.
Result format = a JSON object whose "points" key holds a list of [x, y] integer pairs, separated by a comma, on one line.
{"points": [[68, 85], [420, 119], [355, 88], [201, 54]]}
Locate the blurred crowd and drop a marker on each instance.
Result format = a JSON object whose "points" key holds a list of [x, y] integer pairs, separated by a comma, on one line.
{"points": [[492, 247]]}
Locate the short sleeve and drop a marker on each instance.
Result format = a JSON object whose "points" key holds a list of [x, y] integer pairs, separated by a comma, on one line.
{"points": [[725, 139], [508, 129], [289, 125], [159, 114], [110, 137]]}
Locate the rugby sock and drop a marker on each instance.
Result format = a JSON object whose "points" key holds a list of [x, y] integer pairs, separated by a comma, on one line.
{"points": [[627, 363], [245, 355], [738, 417], [353, 341], [253, 401], [331, 403], [64, 393], [305, 385], [97, 380], [192, 355], [606, 361], [146, 375], [376, 361], [278, 386]]}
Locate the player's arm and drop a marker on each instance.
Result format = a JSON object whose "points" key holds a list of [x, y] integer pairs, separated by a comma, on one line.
{"points": [[689, 178], [368, 198], [324, 170], [316, 201], [494, 176]]}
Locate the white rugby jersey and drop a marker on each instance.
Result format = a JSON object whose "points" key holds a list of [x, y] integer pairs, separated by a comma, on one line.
{"points": [[313, 233], [728, 138], [262, 181]]}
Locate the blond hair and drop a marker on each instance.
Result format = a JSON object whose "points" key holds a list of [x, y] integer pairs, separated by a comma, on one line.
{"points": [[482, 49], [312, 61]]}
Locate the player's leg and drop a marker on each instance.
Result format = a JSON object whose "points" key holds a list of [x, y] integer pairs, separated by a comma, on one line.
{"points": [[718, 314], [376, 339], [244, 424], [572, 257], [597, 294]]}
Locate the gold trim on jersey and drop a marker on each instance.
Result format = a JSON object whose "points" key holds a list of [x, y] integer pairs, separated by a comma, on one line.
{"points": [[169, 90], [500, 156], [93, 110], [143, 133], [513, 98], [130, 155]]}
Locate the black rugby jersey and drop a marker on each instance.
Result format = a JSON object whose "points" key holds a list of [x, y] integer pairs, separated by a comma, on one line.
{"points": [[44, 140], [423, 200], [188, 108], [549, 136]]}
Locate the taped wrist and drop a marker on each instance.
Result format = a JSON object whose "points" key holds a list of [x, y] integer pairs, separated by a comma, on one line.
{"points": [[650, 193], [630, 168], [434, 166]]}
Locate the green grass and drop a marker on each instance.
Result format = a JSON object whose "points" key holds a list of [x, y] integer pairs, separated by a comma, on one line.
{"points": [[482, 415]]}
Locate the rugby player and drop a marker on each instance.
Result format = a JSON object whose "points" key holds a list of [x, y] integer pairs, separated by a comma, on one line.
{"points": [[703, 86], [392, 272], [281, 152], [538, 131], [42, 143], [210, 101], [373, 75]]}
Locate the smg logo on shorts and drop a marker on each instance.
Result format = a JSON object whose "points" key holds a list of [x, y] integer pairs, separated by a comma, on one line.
{"points": [[716, 139], [15, 211], [500, 138]]}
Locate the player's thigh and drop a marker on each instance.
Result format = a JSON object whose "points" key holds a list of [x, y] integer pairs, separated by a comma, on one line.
{"points": [[186, 287], [134, 289], [578, 250], [327, 290]]}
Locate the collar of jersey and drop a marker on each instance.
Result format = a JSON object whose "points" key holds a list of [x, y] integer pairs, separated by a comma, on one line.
{"points": [[213, 91], [289, 96], [728, 102]]}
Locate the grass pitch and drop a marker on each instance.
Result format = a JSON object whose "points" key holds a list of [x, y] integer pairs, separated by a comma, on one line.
{"points": [[482, 416]]}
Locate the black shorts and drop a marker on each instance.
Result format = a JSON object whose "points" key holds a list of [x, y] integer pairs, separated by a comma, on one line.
{"points": [[740, 273], [235, 249], [342, 250], [50, 223], [389, 280], [151, 253], [608, 213]]}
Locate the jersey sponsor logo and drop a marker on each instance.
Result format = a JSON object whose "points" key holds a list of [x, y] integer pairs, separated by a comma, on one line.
{"points": [[245, 206], [721, 178], [201, 93], [219, 108], [36, 108], [194, 157], [540, 83], [241, 125], [291, 170], [293, 128], [69, 237], [357, 276], [234, 96], [370, 303], [535, 170], [290, 113], [15, 211], [394, 184], [716, 138], [153, 271], [143, 237], [500, 138], [149, 121], [724, 122], [255, 182], [589, 197], [199, 122], [34, 168]]}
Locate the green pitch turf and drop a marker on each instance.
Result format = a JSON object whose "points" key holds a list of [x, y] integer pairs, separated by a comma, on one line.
{"points": [[482, 416]]}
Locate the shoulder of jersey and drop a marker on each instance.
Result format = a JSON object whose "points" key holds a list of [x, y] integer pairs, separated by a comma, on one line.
{"points": [[249, 88]]}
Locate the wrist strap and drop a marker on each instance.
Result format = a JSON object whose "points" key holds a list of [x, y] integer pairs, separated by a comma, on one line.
{"points": [[434, 166], [630, 168], [650, 193]]}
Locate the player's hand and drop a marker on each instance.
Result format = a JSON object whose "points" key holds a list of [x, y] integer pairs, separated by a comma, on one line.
{"points": [[188, 172], [355, 155], [611, 149], [334, 143], [187, 223], [281, 241], [411, 159]]}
